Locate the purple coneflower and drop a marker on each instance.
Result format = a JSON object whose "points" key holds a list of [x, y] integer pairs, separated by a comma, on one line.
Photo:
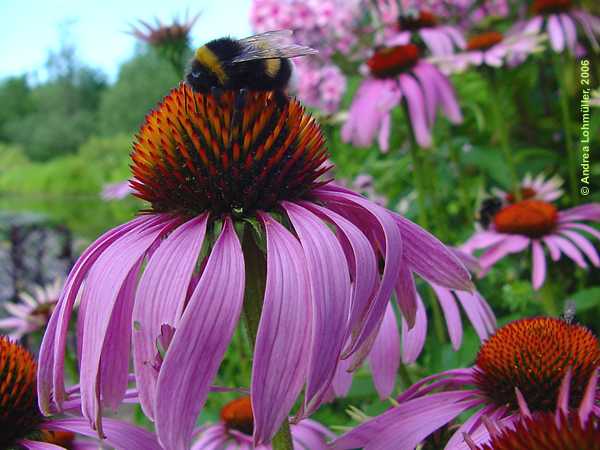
{"points": [[23, 426], [234, 430], [491, 49], [32, 312], [534, 188], [423, 26], [212, 168], [525, 361], [395, 74], [393, 346], [562, 20], [537, 223], [565, 429]]}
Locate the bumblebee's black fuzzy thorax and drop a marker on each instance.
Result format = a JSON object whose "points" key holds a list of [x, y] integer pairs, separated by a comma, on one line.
{"points": [[212, 67]]}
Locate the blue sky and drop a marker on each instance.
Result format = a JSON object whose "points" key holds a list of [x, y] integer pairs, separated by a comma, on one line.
{"points": [[30, 29]]}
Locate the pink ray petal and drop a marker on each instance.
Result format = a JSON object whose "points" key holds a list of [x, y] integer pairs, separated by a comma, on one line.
{"points": [[200, 341], [283, 339]]}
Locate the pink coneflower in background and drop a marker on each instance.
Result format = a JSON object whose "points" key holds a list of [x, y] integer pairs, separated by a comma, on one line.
{"points": [[393, 345], [23, 426], [562, 21], [211, 168], [491, 49], [399, 74], [565, 429], [537, 223], [32, 312], [535, 188], [424, 27], [116, 191], [234, 430], [525, 361]]}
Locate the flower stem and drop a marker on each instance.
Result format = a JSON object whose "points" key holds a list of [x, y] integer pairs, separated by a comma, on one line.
{"points": [[501, 126], [563, 94], [418, 169], [256, 278]]}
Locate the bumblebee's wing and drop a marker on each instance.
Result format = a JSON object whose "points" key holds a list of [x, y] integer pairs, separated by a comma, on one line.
{"points": [[272, 44]]}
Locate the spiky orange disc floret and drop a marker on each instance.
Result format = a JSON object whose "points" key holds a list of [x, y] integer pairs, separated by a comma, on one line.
{"points": [[389, 62], [550, 6], [237, 415], [533, 218], [413, 22], [534, 355], [19, 414], [484, 41], [231, 154], [544, 432]]}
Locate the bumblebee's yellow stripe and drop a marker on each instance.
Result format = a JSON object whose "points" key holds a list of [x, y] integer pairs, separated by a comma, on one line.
{"points": [[207, 58], [272, 66]]}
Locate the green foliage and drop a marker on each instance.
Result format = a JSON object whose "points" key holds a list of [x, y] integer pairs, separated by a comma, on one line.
{"points": [[142, 82], [100, 159]]}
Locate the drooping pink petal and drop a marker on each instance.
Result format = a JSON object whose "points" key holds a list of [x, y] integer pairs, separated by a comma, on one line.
{"points": [[37, 445], [477, 313], [389, 243], [589, 398], [444, 92], [482, 239], [403, 427], [512, 244], [451, 314], [200, 341], [429, 92], [416, 109], [555, 32], [342, 380], [586, 246], [588, 27], [431, 259], [362, 261], [590, 211], [100, 295], [52, 351], [582, 227], [384, 358], [331, 297], [538, 264], [568, 249], [570, 31], [120, 435], [114, 359], [406, 295], [159, 300], [534, 26], [280, 363], [413, 339]]}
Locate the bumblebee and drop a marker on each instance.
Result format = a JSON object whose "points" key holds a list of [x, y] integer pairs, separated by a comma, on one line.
{"points": [[487, 211], [255, 63]]}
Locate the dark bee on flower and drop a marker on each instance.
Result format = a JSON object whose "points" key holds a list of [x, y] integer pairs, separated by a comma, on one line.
{"points": [[255, 63], [487, 211]]}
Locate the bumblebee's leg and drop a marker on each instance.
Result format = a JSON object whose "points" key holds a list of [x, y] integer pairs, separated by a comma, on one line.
{"points": [[281, 98], [240, 99], [217, 93]]}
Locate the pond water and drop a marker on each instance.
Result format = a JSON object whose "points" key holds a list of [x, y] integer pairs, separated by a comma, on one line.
{"points": [[86, 216]]}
